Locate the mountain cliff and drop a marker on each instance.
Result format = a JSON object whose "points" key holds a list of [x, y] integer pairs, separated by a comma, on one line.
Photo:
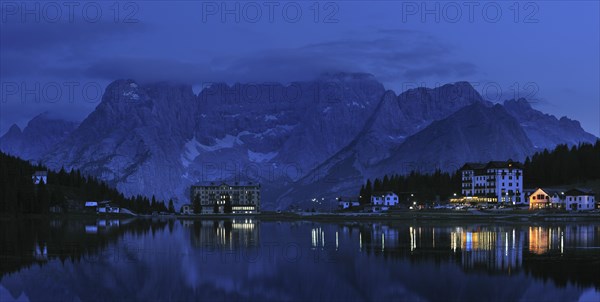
{"points": [[300, 140], [475, 133], [393, 122], [41, 134], [544, 130], [158, 139]]}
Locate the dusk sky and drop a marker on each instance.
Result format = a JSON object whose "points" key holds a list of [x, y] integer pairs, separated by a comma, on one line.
{"points": [[548, 52]]}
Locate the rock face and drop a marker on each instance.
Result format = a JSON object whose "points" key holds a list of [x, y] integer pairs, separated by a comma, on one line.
{"points": [[546, 131], [301, 140], [159, 139], [393, 122], [475, 133], [41, 134], [133, 139], [439, 134]]}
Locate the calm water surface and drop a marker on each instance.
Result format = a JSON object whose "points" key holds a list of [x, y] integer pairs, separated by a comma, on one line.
{"points": [[249, 259]]}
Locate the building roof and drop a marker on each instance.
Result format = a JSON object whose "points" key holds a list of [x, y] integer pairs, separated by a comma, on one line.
{"points": [[473, 166], [229, 184], [91, 204], [579, 192], [551, 192], [382, 193], [509, 164]]}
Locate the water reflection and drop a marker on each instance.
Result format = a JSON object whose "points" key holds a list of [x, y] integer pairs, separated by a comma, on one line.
{"points": [[224, 234], [240, 259], [25, 242], [497, 249]]}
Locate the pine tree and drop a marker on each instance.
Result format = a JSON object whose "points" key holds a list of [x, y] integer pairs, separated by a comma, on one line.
{"points": [[196, 204], [171, 206]]}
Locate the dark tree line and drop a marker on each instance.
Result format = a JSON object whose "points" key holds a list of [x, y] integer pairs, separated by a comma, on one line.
{"points": [[561, 166], [18, 193], [414, 186]]}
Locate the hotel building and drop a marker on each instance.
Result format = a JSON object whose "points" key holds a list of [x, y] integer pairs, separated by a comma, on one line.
{"points": [[495, 182], [236, 198]]}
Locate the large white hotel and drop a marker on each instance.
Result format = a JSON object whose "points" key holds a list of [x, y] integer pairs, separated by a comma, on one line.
{"points": [[494, 182]]}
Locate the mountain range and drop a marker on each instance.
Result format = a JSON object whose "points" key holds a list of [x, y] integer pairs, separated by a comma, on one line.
{"points": [[300, 140]]}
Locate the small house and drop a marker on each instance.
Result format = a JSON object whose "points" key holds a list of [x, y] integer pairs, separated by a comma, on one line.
{"points": [[543, 198], [580, 200], [187, 209], [107, 209], [39, 177], [91, 206], [388, 199], [347, 202]]}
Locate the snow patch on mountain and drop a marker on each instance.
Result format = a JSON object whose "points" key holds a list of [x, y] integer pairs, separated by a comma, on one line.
{"points": [[259, 157], [229, 141], [190, 152], [278, 130], [132, 95]]}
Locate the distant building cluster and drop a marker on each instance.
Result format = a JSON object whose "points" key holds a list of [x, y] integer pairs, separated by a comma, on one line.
{"points": [[570, 200], [345, 202], [380, 202], [101, 207], [501, 183], [223, 198]]}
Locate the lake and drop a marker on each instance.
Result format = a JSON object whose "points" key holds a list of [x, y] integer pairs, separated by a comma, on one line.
{"points": [[244, 259]]}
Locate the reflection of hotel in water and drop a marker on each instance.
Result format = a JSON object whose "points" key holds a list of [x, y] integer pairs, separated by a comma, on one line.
{"points": [[499, 249], [484, 247], [557, 239], [491, 248], [228, 234]]}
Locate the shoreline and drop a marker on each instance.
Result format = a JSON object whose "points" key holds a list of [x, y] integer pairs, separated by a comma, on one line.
{"points": [[423, 215]]}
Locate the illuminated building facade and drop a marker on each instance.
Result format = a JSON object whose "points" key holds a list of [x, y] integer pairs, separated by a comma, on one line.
{"points": [[225, 198], [495, 182], [547, 198]]}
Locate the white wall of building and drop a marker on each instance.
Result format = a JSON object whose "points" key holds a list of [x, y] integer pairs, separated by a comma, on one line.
{"points": [[580, 203]]}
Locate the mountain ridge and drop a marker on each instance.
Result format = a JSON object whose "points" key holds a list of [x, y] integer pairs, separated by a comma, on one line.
{"points": [[323, 136]]}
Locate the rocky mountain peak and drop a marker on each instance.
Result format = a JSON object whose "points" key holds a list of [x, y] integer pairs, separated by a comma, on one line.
{"points": [[160, 138], [517, 104], [460, 93], [13, 131], [567, 122], [346, 76], [124, 92], [46, 122]]}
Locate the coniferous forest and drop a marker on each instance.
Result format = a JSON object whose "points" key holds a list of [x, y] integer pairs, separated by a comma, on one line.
{"points": [[562, 166], [64, 190]]}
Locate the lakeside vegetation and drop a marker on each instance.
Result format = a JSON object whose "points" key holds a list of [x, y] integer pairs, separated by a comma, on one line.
{"points": [[563, 166], [66, 191]]}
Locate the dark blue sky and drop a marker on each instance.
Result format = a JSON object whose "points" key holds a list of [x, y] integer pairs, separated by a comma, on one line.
{"points": [[54, 57]]}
